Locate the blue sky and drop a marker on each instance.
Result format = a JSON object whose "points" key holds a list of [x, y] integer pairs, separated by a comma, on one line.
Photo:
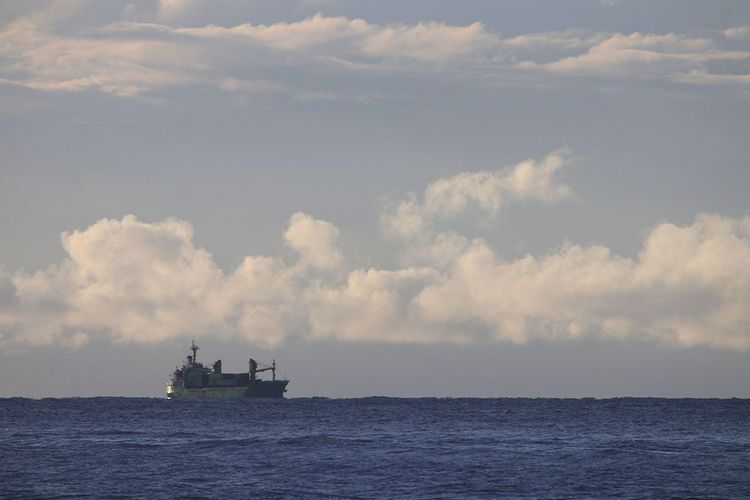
{"points": [[551, 194]]}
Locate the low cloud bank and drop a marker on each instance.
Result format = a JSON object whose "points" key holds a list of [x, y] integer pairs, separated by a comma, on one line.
{"points": [[135, 281]]}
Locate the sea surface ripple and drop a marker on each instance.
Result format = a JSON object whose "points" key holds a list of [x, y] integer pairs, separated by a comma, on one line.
{"points": [[375, 448]]}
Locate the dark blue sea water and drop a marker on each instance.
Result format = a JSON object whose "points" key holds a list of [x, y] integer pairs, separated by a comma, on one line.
{"points": [[375, 447]]}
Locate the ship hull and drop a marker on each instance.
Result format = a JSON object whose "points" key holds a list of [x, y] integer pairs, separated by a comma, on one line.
{"points": [[259, 389]]}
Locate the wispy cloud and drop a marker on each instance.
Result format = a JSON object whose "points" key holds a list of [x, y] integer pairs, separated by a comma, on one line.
{"points": [[640, 55], [738, 32], [129, 59]]}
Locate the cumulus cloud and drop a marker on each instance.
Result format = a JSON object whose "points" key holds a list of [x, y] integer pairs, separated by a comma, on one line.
{"points": [[688, 286], [315, 240], [372, 305], [135, 55], [135, 281], [145, 282], [479, 193]]}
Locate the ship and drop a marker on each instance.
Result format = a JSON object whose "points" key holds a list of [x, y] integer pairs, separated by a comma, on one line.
{"points": [[195, 380]]}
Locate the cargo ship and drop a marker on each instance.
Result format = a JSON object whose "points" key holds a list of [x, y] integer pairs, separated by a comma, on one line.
{"points": [[194, 380]]}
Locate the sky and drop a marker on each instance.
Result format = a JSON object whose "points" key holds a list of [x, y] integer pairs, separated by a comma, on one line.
{"points": [[424, 198]]}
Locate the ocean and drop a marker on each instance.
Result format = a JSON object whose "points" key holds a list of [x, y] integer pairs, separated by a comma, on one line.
{"points": [[375, 448]]}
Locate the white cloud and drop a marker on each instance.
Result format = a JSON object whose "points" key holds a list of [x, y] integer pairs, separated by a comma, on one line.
{"points": [[132, 58], [142, 282], [315, 240], [482, 193], [306, 34], [641, 55], [554, 41], [372, 305], [738, 32], [689, 286], [135, 58], [147, 279], [343, 36], [535, 181], [134, 281], [430, 41], [123, 66]]}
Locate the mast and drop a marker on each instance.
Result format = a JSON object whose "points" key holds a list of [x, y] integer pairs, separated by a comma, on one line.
{"points": [[194, 348]]}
